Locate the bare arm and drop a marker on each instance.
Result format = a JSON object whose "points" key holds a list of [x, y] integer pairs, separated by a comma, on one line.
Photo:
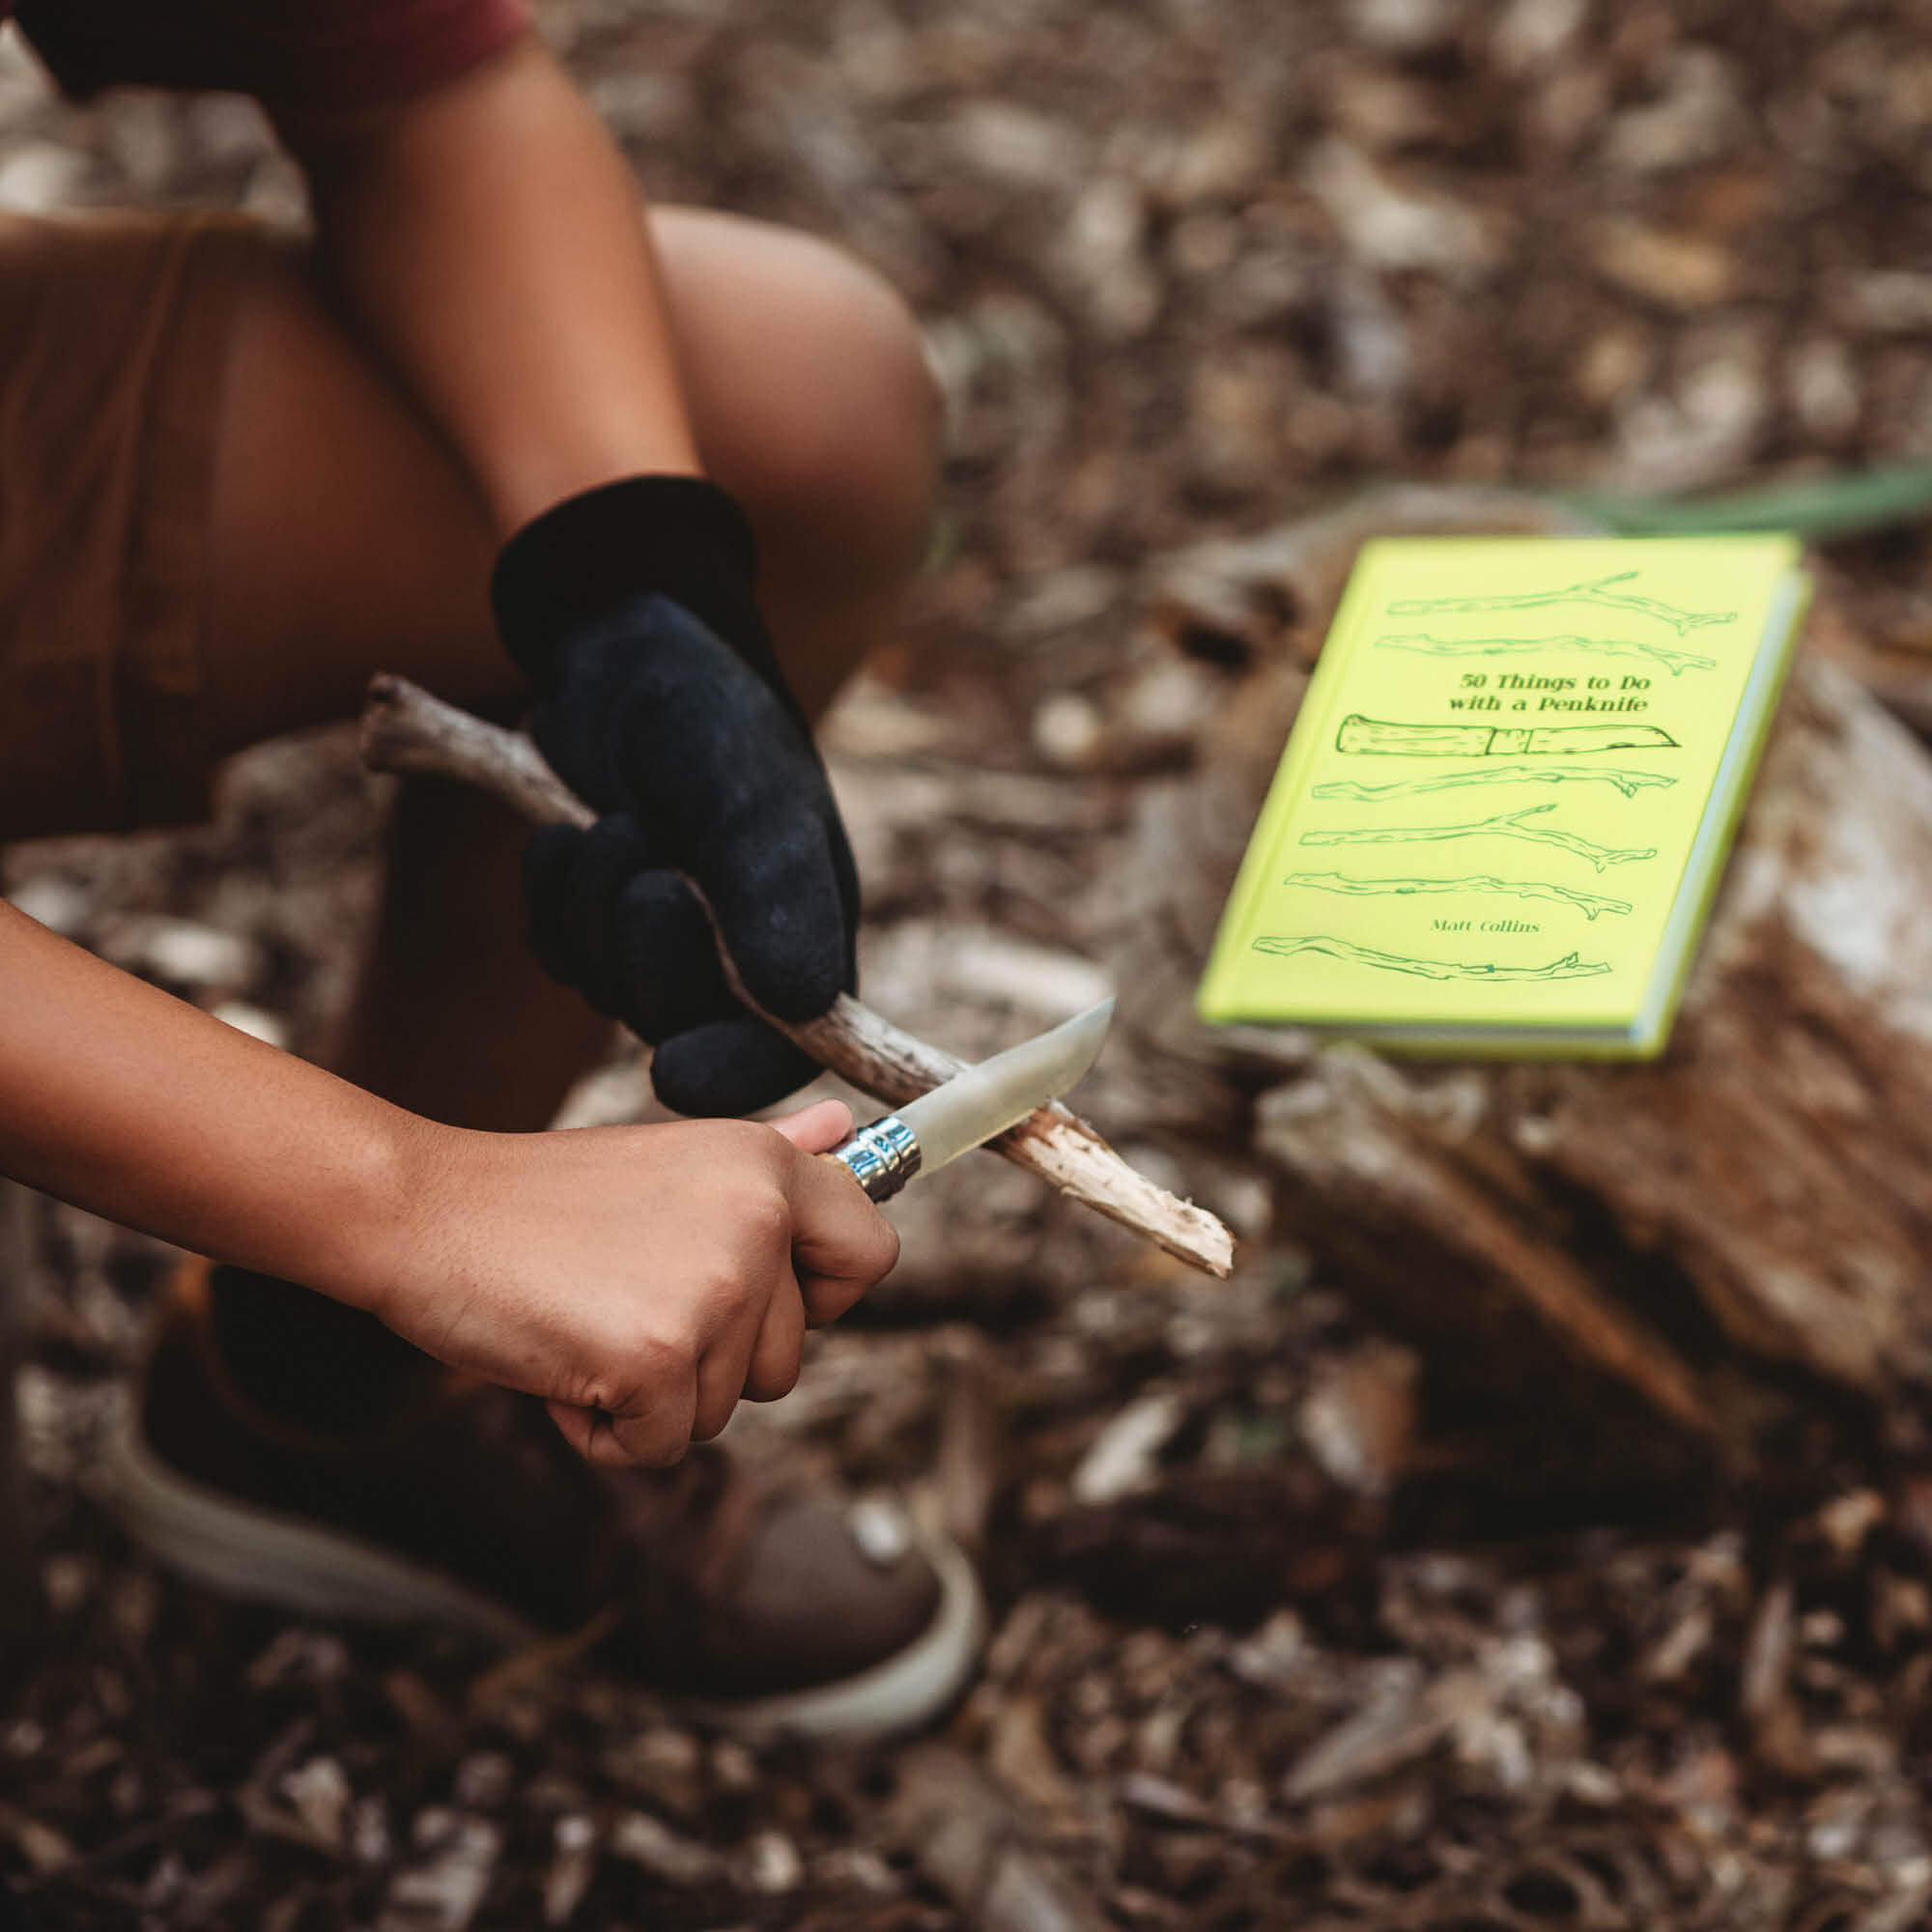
{"points": [[126, 1101], [650, 1274], [488, 241]]}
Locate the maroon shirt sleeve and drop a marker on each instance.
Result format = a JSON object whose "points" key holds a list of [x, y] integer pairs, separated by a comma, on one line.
{"points": [[289, 53]]}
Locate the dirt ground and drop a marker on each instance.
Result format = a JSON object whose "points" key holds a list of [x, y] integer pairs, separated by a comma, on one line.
{"points": [[1190, 267]]}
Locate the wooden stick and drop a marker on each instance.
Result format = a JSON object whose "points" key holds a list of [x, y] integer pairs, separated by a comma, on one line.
{"points": [[406, 729]]}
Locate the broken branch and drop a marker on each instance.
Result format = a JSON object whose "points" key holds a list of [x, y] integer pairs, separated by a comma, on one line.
{"points": [[405, 730]]}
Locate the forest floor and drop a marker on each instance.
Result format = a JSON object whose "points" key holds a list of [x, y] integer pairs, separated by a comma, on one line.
{"points": [[1191, 268]]}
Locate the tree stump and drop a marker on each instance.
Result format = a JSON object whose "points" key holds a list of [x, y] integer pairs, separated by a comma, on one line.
{"points": [[1638, 1269]]}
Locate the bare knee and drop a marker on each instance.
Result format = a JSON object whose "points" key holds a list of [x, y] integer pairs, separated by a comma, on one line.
{"points": [[814, 399], [859, 448]]}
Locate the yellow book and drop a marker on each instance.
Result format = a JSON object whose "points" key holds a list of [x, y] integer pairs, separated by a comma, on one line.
{"points": [[1504, 807]]}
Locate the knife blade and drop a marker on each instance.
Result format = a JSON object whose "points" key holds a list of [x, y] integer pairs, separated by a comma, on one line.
{"points": [[968, 1110]]}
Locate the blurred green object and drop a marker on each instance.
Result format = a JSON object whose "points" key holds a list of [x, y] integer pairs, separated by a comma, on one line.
{"points": [[1820, 508]]}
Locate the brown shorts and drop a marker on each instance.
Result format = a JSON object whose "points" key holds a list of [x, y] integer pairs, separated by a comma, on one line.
{"points": [[113, 337]]}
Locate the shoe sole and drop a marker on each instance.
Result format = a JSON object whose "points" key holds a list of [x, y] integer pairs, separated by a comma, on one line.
{"points": [[905, 1690], [241, 1550]]}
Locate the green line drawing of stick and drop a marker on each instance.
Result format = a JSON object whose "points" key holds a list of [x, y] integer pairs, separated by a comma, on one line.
{"points": [[1596, 591], [1589, 904], [1674, 661], [1504, 825], [1570, 967], [1501, 647], [1628, 782], [1382, 737]]}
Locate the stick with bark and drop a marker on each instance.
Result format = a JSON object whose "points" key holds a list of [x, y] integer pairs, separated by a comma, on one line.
{"points": [[406, 729]]}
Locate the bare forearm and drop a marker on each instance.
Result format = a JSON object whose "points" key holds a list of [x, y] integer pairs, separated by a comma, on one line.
{"points": [[489, 241], [123, 1099]]}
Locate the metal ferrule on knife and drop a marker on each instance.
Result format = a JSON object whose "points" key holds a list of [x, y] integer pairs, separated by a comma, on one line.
{"points": [[882, 1156]]}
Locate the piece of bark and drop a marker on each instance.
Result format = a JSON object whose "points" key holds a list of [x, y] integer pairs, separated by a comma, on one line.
{"points": [[1214, 1546], [967, 1465], [1397, 1721], [1731, 1236], [971, 1841], [405, 730]]}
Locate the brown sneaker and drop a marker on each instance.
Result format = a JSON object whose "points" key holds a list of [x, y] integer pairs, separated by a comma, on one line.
{"points": [[760, 1607]]}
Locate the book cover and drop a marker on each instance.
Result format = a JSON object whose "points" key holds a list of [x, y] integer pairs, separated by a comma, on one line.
{"points": [[1507, 798]]}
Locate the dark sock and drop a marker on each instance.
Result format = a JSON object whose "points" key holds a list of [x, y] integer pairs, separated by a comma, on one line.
{"points": [[308, 1359]]}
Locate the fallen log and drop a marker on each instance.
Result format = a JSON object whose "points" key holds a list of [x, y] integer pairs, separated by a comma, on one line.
{"points": [[1647, 1264], [406, 729]]}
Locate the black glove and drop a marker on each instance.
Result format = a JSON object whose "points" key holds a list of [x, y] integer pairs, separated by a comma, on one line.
{"points": [[660, 702]]}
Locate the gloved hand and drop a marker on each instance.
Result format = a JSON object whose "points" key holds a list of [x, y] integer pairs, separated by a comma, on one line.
{"points": [[660, 702]]}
